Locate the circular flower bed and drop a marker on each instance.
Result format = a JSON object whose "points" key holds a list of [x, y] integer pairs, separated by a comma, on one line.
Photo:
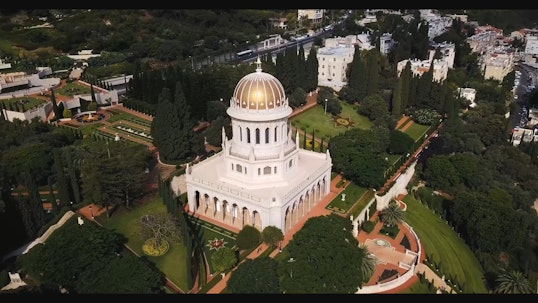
{"points": [[150, 247]]}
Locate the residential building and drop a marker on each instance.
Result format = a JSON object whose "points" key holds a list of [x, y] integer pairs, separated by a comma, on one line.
{"points": [[332, 64], [523, 135], [531, 42], [447, 50], [437, 24], [386, 43], [419, 67], [4, 65], [261, 177], [314, 15], [496, 65], [480, 42], [281, 23], [469, 94]]}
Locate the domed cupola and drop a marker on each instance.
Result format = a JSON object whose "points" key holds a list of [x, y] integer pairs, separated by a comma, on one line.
{"points": [[259, 91]]}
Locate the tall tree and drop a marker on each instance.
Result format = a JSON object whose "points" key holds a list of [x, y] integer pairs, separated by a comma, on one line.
{"points": [[311, 70], [55, 108], [61, 180]]}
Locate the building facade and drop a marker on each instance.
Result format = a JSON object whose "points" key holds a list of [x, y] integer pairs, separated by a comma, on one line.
{"points": [[261, 177], [332, 65]]}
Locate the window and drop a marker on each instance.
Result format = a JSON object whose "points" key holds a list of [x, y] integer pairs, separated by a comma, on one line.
{"points": [[257, 136], [276, 132], [248, 135], [239, 168], [259, 171], [267, 170], [291, 163], [274, 170], [266, 135], [240, 133]]}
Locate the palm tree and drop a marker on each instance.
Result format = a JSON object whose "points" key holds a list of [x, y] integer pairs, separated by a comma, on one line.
{"points": [[513, 282], [392, 214], [369, 262]]}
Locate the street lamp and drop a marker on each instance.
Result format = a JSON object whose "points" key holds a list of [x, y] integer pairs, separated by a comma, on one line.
{"points": [[291, 260], [326, 106]]}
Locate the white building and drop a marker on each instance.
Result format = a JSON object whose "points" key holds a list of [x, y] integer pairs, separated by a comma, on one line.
{"points": [[469, 94], [447, 50], [332, 66], [385, 43], [531, 43], [419, 67], [261, 177]]}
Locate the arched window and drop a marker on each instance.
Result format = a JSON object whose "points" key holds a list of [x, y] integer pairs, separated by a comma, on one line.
{"points": [[267, 170], [240, 134], [257, 136], [275, 170], [248, 135], [276, 132], [259, 171], [239, 168], [266, 135], [291, 163]]}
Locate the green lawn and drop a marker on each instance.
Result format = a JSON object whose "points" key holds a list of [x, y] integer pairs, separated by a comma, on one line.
{"points": [[416, 131], [324, 125], [73, 88], [126, 222], [353, 193], [445, 247], [117, 115], [27, 102]]}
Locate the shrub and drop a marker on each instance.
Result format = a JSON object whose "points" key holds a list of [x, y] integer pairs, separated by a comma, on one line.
{"points": [[368, 226], [248, 238]]}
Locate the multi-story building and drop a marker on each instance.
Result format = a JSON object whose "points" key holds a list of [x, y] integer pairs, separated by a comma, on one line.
{"points": [[469, 94], [4, 65], [496, 65], [419, 67], [332, 65], [531, 42], [386, 43], [480, 42], [447, 50], [437, 24], [314, 15]]}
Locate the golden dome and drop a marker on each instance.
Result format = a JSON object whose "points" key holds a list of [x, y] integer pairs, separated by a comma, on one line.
{"points": [[259, 91]]}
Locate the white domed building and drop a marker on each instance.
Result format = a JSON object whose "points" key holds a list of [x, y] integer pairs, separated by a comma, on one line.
{"points": [[261, 177]]}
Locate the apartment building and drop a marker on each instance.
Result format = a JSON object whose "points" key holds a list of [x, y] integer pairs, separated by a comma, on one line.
{"points": [[332, 65], [469, 94], [419, 67], [437, 24], [314, 15], [531, 42], [4, 65], [281, 23], [496, 65], [479, 43], [386, 43], [447, 50]]}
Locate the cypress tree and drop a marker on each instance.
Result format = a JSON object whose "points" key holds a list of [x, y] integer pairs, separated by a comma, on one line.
{"points": [[73, 178], [61, 179], [34, 201], [300, 74], [372, 72], [55, 108], [311, 68]]}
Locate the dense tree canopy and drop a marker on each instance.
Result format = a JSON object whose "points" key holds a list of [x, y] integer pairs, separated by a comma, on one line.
{"points": [[324, 257]]}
